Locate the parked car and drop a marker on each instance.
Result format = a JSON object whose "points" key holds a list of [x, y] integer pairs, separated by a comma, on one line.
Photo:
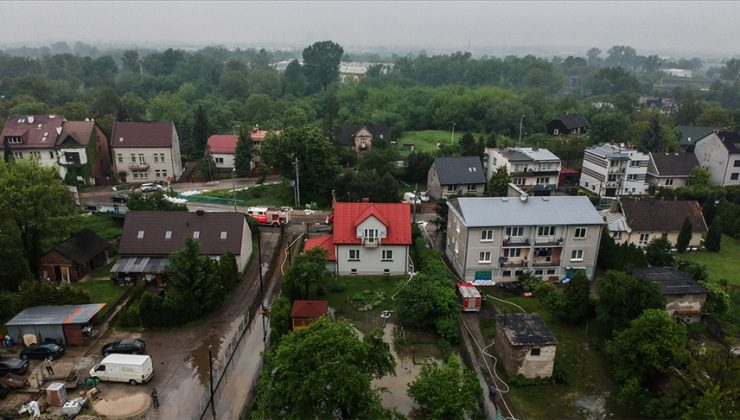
{"points": [[119, 198], [42, 351], [424, 196], [13, 365], [412, 198], [149, 187], [125, 346], [329, 219]]}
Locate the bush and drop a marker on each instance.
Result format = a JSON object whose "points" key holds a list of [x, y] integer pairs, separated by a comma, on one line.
{"points": [[129, 317], [151, 311], [447, 329], [7, 303]]}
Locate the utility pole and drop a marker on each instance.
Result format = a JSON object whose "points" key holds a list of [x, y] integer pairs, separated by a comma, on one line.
{"points": [[452, 137], [297, 184], [233, 186], [521, 120], [210, 374]]}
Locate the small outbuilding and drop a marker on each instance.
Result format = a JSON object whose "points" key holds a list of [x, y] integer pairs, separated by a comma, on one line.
{"points": [[525, 345], [305, 312], [684, 297], [568, 124], [74, 258], [66, 324]]}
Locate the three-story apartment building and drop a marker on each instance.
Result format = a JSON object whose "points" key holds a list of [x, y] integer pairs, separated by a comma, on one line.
{"points": [[719, 153], [611, 170], [496, 239], [532, 169], [146, 151]]}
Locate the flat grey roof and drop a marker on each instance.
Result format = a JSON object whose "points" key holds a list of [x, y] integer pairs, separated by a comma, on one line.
{"points": [[512, 211], [538, 153], [56, 315]]}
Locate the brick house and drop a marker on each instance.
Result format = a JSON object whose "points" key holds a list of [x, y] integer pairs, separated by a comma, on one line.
{"points": [[146, 151]]}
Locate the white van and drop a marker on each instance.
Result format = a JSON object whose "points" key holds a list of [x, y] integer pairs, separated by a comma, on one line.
{"points": [[412, 198], [131, 368]]}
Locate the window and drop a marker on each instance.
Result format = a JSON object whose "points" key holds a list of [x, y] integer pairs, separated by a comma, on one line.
{"points": [[576, 255], [669, 181], [156, 173], [13, 140], [18, 155], [555, 131], [450, 188], [353, 271], [546, 231], [580, 233], [120, 158], [519, 273], [457, 225], [457, 248], [51, 155], [168, 234], [537, 272], [140, 235], [141, 158], [518, 167], [219, 160], [354, 255], [386, 271], [612, 178], [371, 234], [161, 157], [543, 180], [196, 234], [506, 273], [36, 155], [534, 352], [512, 252], [736, 164], [634, 164], [550, 272], [135, 174], [514, 231], [519, 181], [486, 236], [156, 157], [387, 255], [133, 158], [471, 187], [644, 239], [224, 234], [631, 177], [484, 257], [734, 176]]}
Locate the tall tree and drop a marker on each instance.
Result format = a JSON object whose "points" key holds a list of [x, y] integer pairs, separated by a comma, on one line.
{"points": [[307, 269], [294, 80], [699, 177], [623, 298], [577, 294], [8, 153], [498, 185], [201, 131], [321, 63], [450, 391], [131, 62], [324, 371], [192, 288], [207, 166], [684, 235], [317, 160], [36, 201], [244, 150], [713, 240], [658, 253]]}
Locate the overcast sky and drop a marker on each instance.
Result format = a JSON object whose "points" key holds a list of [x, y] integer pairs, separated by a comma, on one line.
{"points": [[707, 28]]}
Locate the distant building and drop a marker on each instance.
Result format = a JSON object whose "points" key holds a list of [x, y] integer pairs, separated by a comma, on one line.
{"points": [[354, 71], [531, 168], [719, 152], [568, 124], [525, 345], [611, 170], [34, 137], [361, 137], [690, 134], [497, 239], [678, 73], [670, 170], [146, 151], [684, 297], [456, 175], [640, 221], [222, 148]]}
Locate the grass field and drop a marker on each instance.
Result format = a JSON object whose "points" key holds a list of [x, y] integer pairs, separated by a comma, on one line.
{"points": [[102, 291], [272, 194], [724, 264], [590, 391], [426, 141], [104, 224]]}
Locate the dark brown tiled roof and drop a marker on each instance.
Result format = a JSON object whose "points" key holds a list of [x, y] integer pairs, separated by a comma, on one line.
{"points": [[674, 164], [36, 131], [662, 216], [142, 134], [347, 133], [572, 121], [76, 133], [83, 246], [181, 224], [730, 140]]}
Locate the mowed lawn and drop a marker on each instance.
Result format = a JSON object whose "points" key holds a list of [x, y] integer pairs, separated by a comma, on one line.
{"points": [[724, 264], [105, 225], [426, 141], [590, 389], [259, 195], [101, 291]]}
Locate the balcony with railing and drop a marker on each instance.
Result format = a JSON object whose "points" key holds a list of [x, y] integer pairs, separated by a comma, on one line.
{"points": [[516, 241], [549, 240], [371, 242], [512, 262], [546, 262], [138, 166]]}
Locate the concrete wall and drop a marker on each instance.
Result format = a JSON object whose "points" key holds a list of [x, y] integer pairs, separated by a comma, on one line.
{"points": [[370, 262], [518, 360], [672, 237], [668, 182], [246, 251], [433, 187], [692, 302], [228, 160]]}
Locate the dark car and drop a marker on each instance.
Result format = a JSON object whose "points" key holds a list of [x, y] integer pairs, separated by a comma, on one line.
{"points": [[119, 198], [42, 351], [13, 365], [126, 346]]}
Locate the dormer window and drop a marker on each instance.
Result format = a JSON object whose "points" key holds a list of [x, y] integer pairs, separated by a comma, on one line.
{"points": [[13, 140], [140, 235], [223, 235], [196, 235], [168, 234]]}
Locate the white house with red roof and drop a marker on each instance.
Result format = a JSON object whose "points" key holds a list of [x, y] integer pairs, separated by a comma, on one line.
{"points": [[223, 149], [368, 239], [146, 151]]}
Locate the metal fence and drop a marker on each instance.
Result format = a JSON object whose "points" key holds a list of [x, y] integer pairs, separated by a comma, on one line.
{"points": [[211, 200]]}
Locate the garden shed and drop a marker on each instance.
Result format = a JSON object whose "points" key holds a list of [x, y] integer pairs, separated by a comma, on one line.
{"points": [[66, 324]]}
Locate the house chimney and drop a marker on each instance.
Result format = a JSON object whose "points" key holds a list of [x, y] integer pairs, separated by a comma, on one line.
{"points": [[200, 212], [365, 200]]}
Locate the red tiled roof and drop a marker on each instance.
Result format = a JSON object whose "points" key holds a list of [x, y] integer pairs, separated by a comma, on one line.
{"points": [[326, 242], [36, 131], [258, 135], [142, 134], [309, 308], [222, 143], [395, 216]]}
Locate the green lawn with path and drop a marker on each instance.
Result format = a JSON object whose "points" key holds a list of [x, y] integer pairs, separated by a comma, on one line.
{"points": [[427, 140], [724, 264], [104, 224], [270, 194], [102, 291]]}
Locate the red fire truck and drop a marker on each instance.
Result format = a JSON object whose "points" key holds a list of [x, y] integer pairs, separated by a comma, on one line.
{"points": [[271, 216]]}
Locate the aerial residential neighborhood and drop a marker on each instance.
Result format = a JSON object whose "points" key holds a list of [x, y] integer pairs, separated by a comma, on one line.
{"points": [[282, 210]]}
